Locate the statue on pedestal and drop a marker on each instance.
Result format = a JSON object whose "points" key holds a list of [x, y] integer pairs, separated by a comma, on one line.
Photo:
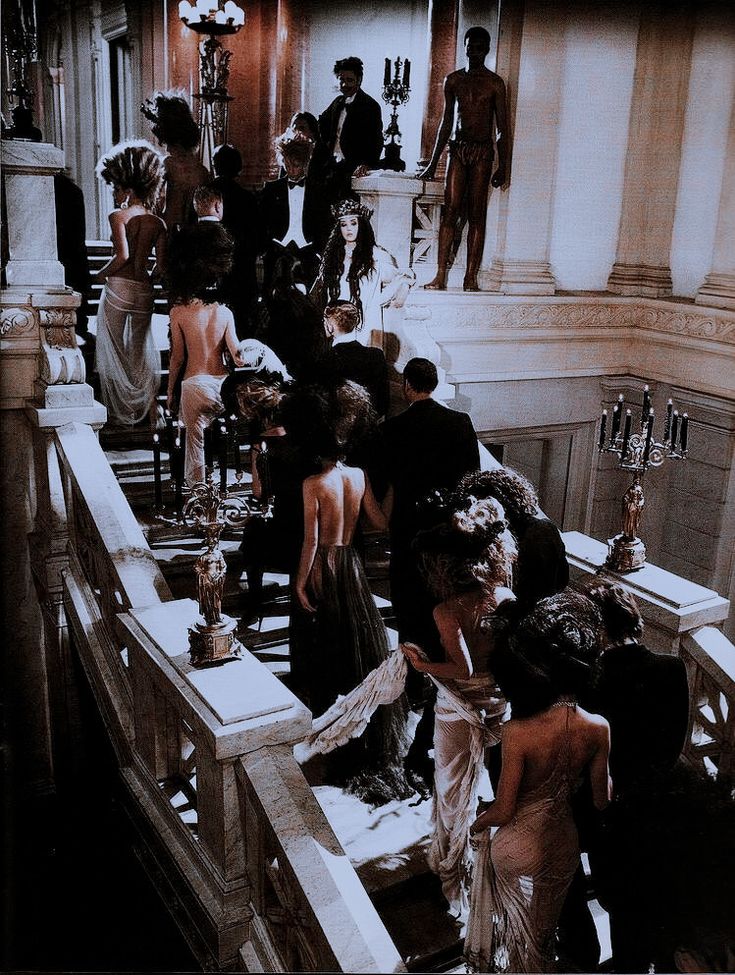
{"points": [[211, 570], [632, 505], [475, 114]]}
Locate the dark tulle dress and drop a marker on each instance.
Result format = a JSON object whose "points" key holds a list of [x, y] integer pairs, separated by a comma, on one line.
{"points": [[351, 640]]}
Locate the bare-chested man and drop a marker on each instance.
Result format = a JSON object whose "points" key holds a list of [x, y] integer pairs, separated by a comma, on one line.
{"points": [[475, 110]]}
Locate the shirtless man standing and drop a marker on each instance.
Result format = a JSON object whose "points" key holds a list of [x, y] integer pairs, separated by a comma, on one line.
{"points": [[480, 120]]}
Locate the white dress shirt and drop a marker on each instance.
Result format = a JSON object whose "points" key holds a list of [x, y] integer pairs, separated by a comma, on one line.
{"points": [[295, 230], [338, 154]]}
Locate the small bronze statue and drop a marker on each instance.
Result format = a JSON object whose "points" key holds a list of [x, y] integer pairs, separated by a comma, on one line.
{"points": [[211, 570], [475, 113], [632, 504]]}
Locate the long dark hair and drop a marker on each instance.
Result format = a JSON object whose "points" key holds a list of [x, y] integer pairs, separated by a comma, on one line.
{"points": [[361, 265]]}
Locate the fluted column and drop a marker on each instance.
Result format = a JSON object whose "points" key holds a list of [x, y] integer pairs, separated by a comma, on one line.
{"points": [[442, 55], [530, 61], [660, 89], [719, 285]]}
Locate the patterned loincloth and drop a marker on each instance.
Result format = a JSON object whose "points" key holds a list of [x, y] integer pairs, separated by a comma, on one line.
{"points": [[471, 153]]}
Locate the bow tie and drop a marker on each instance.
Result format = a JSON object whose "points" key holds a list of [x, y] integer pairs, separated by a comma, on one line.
{"points": [[296, 182]]}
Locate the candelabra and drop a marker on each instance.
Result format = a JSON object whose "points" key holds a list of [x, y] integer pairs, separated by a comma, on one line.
{"points": [[395, 93], [209, 511], [21, 50], [637, 451], [213, 19]]}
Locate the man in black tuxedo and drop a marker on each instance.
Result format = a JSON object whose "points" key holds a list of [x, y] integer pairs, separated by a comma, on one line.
{"points": [[351, 360], [428, 447], [352, 126], [240, 217], [294, 213]]}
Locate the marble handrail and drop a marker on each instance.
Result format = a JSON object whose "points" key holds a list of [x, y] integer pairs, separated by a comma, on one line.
{"points": [[710, 660]]}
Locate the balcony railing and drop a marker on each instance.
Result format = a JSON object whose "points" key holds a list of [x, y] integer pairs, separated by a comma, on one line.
{"points": [[258, 877]]}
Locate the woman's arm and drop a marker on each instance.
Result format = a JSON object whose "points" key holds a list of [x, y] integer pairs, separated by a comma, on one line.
{"points": [[231, 339], [309, 547], [394, 282], [120, 250], [372, 509], [502, 810], [458, 663], [599, 769], [177, 357]]}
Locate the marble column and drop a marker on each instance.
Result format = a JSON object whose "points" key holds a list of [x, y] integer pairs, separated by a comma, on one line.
{"points": [[718, 289], [530, 61], [442, 55], [657, 113]]}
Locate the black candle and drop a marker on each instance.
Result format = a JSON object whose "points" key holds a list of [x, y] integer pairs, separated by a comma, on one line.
{"points": [[626, 433], [615, 422], [157, 471], [236, 444], [649, 438], [646, 406], [684, 432], [667, 424], [603, 426], [178, 473], [222, 457], [674, 429], [386, 76], [406, 73]]}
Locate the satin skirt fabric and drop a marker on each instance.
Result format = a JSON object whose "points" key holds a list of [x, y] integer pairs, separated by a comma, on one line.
{"points": [[128, 362]]}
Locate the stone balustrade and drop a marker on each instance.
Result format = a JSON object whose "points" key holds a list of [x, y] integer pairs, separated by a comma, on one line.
{"points": [[710, 660], [235, 839]]}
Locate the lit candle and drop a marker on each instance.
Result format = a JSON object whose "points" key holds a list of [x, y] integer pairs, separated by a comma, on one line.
{"points": [[185, 11], [603, 425], [406, 73], [386, 76], [674, 429], [649, 438], [667, 425], [626, 433], [222, 457], [684, 432], [615, 423], [157, 471]]}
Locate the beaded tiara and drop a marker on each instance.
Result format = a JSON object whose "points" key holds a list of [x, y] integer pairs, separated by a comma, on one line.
{"points": [[351, 208]]}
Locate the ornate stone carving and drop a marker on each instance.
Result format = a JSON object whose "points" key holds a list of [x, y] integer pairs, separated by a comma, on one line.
{"points": [[58, 325], [15, 321]]}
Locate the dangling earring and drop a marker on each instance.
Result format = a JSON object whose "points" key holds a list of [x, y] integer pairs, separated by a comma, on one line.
{"points": [[125, 203]]}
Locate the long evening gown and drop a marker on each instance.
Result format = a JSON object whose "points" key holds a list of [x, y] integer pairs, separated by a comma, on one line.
{"points": [[521, 877], [350, 641], [468, 715]]}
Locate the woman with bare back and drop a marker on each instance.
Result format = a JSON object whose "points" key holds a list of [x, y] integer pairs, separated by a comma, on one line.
{"points": [[201, 331], [350, 637], [127, 359]]}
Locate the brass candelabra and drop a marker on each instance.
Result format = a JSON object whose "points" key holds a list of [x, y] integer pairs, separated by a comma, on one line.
{"points": [[637, 450]]}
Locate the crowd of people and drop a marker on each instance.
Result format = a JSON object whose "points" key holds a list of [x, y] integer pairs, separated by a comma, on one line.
{"points": [[546, 686]]}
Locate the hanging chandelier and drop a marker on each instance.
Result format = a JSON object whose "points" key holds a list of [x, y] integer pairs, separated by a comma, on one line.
{"points": [[211, 17]]}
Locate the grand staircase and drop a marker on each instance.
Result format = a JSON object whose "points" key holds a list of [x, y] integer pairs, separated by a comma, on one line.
{"points": [[387, 845]]}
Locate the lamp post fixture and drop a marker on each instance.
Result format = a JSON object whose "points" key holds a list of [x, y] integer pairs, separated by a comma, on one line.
{"points": [[213, 19]]}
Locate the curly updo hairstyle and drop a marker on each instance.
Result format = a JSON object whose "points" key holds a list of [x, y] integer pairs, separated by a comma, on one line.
{"points": [[550, 653], [134, 166], [516, 494], [620, 612], [173, 124], [472, 550]]}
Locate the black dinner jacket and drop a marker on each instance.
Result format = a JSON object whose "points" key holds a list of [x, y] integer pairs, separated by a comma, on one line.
{"points": [[366, 366], [542, 568], [315, 218], [362, 132], [427, 447]]}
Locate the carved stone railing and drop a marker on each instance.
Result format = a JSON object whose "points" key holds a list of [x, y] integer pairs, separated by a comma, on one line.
{"points": [[233, 835], [710, 661]]}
